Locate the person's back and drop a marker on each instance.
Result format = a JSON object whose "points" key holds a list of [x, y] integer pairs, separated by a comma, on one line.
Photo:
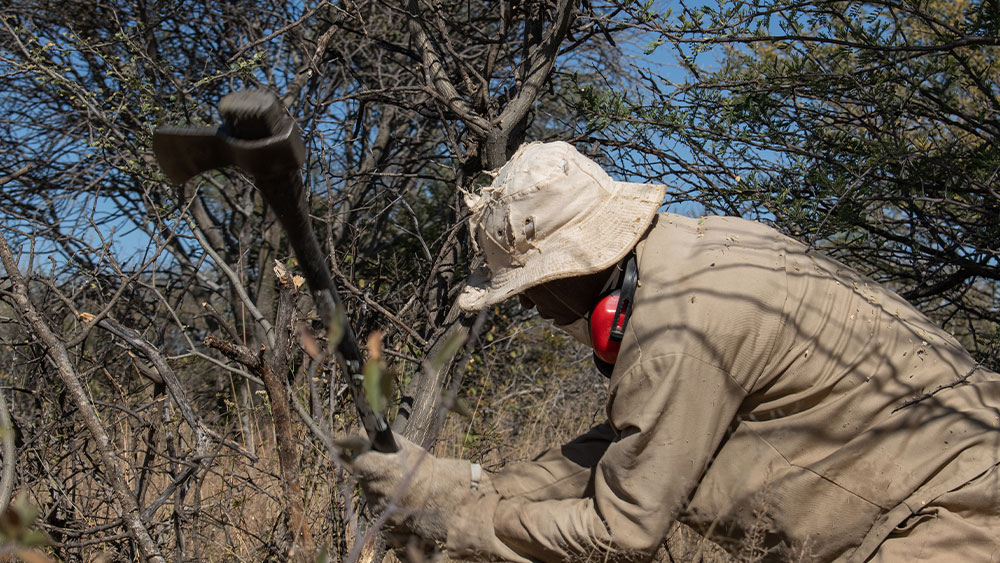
{"points": [[854, 400]]}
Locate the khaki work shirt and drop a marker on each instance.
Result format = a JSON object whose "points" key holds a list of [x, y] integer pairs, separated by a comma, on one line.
{"points": [[760, 386]]}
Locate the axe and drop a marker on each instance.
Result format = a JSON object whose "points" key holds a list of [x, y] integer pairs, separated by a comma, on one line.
{"points": [[261, 138]]}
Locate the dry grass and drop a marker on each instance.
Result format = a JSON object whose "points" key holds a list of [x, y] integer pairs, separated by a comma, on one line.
{"points": [[524, 398]]}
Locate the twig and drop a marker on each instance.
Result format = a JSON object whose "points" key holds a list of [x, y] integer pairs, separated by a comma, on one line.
{"points": [[374, 305], [177, 393], [288, 458], [7, 481], [59, 356], [16, 174], [940, 388], [237, 285]]}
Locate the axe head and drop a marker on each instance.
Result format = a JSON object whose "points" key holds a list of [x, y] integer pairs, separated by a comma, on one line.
{"points": [[258, 136], [184, 152]]}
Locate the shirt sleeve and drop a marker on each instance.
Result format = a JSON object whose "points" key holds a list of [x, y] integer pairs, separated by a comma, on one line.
{"points": [[558, 473], [671, 413]]}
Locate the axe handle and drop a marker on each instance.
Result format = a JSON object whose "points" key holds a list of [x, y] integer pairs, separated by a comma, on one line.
{"points": [[285, 193], [265, 141]]}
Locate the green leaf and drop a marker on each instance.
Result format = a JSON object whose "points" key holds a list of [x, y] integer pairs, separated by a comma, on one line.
{"points": [[337, 329], [323, 555], [461, 407], [372, 372], [35, 538], [448, 351]]}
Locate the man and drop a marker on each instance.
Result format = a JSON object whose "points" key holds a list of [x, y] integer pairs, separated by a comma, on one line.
{"points": [[759, 386]]}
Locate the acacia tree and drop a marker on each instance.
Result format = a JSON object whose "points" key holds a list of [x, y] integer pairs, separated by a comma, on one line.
{"points": [[865, 128], [148, 332]]}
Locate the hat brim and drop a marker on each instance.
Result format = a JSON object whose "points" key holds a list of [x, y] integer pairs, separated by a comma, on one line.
{"points": [[599, 241]]}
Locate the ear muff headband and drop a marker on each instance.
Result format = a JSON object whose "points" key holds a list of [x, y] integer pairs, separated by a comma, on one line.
{"points": [[609, 318], [624, 309]]}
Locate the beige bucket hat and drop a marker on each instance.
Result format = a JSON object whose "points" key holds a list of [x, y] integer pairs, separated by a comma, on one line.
{"points": [[552, 213]]}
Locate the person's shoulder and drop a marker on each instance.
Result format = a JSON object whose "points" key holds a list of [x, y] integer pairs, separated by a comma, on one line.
{"points": [[692, 235], [666, 220]]}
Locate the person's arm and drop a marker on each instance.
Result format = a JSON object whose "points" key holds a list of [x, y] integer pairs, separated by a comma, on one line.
{"points": [[671, 412], [558, 473]]}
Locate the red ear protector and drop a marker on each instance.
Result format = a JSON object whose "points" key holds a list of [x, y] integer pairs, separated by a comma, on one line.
{"points": [[610, 317]]}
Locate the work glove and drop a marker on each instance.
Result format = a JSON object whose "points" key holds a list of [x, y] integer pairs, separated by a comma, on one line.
{"points": [[417, 491]]}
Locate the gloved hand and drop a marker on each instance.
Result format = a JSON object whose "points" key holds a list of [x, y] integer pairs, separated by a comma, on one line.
{"points": [[418, 491]]}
